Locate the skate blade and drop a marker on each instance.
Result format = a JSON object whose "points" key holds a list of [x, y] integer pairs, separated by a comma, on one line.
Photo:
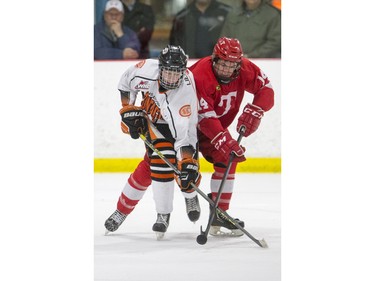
{"points": [[216, 231], [159, 235]]}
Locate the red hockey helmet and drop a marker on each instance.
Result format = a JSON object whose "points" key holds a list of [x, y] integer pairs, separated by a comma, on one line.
{"points": [[230, 50]]}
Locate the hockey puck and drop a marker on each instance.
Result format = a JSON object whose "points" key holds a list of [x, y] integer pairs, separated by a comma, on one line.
{"points": [[201, 239]]}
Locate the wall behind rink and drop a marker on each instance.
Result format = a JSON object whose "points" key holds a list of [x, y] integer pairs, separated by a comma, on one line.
{"points": [[115, 151]]}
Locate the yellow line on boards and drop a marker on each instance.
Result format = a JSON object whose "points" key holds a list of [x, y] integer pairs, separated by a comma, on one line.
{"points": [[251, 165]]}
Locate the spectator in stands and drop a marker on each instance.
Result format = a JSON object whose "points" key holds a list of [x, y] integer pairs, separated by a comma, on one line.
{"points": [[257, 25], [99, 8], [140, 17], [112, 39], [197, 27]]}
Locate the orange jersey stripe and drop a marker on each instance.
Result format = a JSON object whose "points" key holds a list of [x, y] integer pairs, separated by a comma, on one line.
{"points": [[162, 176], [163, 145]]}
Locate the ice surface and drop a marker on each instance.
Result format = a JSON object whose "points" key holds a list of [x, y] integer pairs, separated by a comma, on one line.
{"points": [[132, 253]]}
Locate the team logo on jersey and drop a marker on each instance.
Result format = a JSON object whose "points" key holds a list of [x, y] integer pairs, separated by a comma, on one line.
{"points": [[143, 85], [140, 64], [185, 111]]}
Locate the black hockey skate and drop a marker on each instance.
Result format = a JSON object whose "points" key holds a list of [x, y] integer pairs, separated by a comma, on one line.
{"points": [[193, 209], [114, 221], [161, 225], [220, 221]]}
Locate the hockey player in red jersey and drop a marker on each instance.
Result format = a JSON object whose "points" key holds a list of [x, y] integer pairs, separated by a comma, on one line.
{"points": [[170, 102], [221, 81]]}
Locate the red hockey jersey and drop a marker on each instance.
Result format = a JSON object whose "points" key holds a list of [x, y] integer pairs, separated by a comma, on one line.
{"points": [[220, 103]]}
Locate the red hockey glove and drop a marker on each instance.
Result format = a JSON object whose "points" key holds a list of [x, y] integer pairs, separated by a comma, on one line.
{"points": [[250, 119], [226, 145], [133, 121], [189, 174]]}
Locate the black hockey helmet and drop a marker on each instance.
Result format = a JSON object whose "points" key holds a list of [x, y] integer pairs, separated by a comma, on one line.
{"points": [[172, 64]]}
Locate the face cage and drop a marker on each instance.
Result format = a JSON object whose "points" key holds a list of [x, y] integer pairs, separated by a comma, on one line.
{"points": [[225, 79], [171, 85]]}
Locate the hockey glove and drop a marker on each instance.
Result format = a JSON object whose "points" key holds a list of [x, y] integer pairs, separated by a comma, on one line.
{"points": [[250, 119], [189, 174], [133, 121], [224, 143]]}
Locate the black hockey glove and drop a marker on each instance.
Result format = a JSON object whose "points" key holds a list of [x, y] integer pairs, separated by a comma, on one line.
{"points": [[189, 174], [133, 121]]}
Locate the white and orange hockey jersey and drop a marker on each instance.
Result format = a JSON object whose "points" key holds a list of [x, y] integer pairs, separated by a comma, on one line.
{"points": [[178, 107]]}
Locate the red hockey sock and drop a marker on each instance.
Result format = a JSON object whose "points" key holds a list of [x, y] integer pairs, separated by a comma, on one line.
{"points": [[135, 188], [227, 190]]}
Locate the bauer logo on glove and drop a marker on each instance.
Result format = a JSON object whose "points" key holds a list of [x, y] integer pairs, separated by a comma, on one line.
{"points": [[192, 167], [188, 168], [132, 114], [133, 121]]}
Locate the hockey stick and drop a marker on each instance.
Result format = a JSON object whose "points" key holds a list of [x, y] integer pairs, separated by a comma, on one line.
{"points": [[202, 238], [262, 243]]}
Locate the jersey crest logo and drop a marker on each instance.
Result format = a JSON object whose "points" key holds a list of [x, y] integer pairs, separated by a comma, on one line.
{"points": [[185, 111], [226, 103], [143, 85], [140, 64]]}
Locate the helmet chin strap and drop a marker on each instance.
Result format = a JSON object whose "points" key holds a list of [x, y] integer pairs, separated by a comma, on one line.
{"points": [[162, 89], [222, 81]]}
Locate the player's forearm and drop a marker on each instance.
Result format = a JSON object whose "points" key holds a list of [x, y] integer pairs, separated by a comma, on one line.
{"points": [[210, 127], [265, 98]]}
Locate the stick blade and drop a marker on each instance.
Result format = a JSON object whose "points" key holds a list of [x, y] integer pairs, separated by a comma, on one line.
{"points": [[263, 243]]}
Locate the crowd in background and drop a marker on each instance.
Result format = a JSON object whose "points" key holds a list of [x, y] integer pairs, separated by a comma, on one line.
{"points": [[132, 29]]}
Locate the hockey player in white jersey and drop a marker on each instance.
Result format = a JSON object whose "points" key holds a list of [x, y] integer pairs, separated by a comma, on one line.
{"points": [[169, 100]]}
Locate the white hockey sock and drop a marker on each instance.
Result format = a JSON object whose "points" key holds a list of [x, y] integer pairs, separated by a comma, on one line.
{"points": [[163, 196]]}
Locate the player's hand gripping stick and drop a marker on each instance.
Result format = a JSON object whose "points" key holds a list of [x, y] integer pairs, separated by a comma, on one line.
{"points": [[202, 238]]}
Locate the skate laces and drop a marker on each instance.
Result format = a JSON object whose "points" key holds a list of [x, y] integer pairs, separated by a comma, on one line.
{"points": [[118, 217], [192, 204], [163, 219], [221, 217], [224, 217]]}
